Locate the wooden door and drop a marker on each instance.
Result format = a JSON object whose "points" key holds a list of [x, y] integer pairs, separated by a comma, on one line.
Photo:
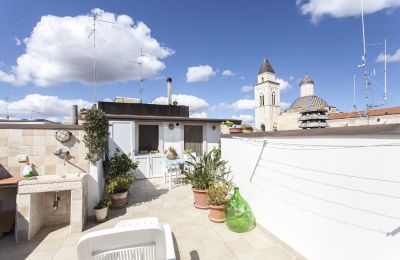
{"points": [[193, 138]]}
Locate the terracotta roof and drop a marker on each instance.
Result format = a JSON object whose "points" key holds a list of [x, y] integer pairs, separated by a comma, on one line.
{"points": [[266, 67], [373, 112]]}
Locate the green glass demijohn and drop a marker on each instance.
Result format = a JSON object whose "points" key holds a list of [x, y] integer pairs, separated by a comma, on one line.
{"points": [[238, 214]]}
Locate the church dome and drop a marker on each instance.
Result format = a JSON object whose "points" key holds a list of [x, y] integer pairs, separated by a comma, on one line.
{"points": [[307, 102]]}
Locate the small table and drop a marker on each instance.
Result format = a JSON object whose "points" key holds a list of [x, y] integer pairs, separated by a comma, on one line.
{"points": [[173, 165]]}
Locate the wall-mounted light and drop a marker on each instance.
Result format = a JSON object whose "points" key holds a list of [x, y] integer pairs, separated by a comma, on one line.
{"points": [[63, 135], [171, 127]]}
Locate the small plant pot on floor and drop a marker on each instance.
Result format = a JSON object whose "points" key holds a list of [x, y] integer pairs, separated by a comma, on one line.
{"points": [[217, 213], [200, 198], [101, 215], [119, 200]]}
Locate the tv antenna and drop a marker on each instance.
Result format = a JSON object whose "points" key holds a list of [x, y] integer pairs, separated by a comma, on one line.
{"points": [[93, 32], [7, 112], [140, 63], [367, 73]]}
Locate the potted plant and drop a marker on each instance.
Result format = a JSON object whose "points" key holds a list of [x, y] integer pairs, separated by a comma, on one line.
{"points": [[218, 197], [171, 153], [203, 171], [235, 129], [225, 127], [119, 175], [101, 210], [247, 128]]}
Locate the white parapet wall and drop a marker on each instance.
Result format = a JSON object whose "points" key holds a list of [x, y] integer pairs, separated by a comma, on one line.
{"points": [[330, 194], [95, 185]]}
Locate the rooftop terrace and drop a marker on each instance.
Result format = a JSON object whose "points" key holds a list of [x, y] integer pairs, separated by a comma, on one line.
{"points": [[195, 237]]}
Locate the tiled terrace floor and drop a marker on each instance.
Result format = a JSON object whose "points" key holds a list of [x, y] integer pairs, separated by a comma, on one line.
{"points": [[195, 237]]}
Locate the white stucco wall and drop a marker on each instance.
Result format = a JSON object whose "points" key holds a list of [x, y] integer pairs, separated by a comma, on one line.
{"points": [[344, 218], [373, 120]]}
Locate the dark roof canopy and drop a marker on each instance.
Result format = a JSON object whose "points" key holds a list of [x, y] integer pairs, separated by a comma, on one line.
{"points": [[266, 67]]}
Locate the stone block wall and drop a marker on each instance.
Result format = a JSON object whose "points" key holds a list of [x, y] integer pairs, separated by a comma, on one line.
{"points": [[40, 145]]}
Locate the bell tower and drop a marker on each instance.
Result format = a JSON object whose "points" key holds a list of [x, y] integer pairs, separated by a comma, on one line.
{"points": [[267, 98]]}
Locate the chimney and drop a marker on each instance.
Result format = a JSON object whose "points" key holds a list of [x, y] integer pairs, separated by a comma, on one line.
{"points": [[169, 81], [74, 115]]}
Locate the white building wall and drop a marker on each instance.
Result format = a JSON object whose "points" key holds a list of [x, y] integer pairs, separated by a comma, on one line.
{"points": [[373, 120], [343, 219], [306, 89], [288, 121], [212, 135]]}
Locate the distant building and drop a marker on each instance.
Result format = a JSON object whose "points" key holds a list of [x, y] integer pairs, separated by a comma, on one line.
{"points": [[267, 109], [382, 116], [309, 110]]}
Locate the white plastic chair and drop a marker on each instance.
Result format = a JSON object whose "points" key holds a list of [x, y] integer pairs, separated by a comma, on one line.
{"points": [[136, 239]]}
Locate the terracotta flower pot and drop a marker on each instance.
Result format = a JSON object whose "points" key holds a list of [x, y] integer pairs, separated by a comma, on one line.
{"points": [[101, 214], [119, 200], [217, 213], [234, 130], [247, 131], [200, 198]]}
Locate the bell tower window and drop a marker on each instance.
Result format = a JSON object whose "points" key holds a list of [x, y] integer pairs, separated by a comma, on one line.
{"points": [[262, 100], [273, 98]]}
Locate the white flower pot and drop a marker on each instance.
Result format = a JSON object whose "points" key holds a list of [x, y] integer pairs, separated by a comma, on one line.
{"points": [[101, 214]]}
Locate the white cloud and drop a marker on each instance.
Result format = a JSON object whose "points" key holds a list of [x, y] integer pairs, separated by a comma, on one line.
{"points": [[59, 51], [342, 8], [283, 84], [199, 115], [194, 103], [228, 73], [291, 78], [243, 104], [389, 57], [284, 105], [41, 106], [247, 88], [199, 73], [246, 119], [17, 41]]}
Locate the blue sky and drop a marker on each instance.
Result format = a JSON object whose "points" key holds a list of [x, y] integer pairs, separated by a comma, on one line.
{"points": [[307, 37]]}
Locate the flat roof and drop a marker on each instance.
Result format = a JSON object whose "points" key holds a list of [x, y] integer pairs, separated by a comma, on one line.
{"points": [[347, 130], [171, 119]]}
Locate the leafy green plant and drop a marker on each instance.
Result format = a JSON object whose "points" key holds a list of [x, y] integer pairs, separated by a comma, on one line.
{"points": [[246, 126], [227, 123], [104, 203], [205, 170], [218, 192], [119, 172], [118, 165], [187, 152], [96, 133], [119, 184]]}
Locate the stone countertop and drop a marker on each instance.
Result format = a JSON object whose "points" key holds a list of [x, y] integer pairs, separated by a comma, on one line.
{"points": [[10, 182], [49, 183]]}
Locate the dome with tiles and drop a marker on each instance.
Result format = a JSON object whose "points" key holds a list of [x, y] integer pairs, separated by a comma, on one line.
{"points": [[308, 101]]}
